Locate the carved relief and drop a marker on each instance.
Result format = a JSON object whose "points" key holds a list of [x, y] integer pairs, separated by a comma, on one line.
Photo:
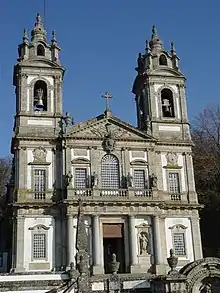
{"points": [[40, 156], [172, 160]]}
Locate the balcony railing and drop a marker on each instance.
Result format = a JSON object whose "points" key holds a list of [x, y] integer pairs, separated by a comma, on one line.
{"points": [[175, 197]]}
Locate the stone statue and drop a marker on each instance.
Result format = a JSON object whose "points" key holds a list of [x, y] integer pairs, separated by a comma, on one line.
{"points": [[140, 62], [68, 119], [113, 265], [153, 180], [129, 180], [69, 178], [95, 179], [143, 243], [207, 288]]}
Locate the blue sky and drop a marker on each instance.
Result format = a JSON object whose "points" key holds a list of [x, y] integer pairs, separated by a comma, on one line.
{"points": [[100, 41]]}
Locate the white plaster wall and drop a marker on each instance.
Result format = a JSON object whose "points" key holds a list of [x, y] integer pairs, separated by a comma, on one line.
{"points": [[73, 156], [178, 107], [39, 122], [31, 222], [133, 158], [28, 99], [30, 159], [30, 78], [164, 172], [48, 78], [52, 100], [169, 128], [170, 222], [156, 105]]}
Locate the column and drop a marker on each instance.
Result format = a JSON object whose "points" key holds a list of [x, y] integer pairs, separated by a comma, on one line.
{"points": [[97, 267], [133, 242], [157, 241], [196, 238], [20, 244], [57, 258], [70, 249]]}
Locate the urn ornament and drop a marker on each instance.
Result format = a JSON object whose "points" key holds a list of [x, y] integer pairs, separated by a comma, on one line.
{"points": [[172, 261]]}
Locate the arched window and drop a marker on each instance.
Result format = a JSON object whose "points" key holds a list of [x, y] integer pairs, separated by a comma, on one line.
{"points": [[40, 96], [110, 172], [167, 103], [163, 60], [40, 50]]}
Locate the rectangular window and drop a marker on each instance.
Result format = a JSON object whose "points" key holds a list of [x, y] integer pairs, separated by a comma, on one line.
{"points": [[80, 178], [39, 183], [39, 245], [179, 244], [139, 179], [174, 182]]}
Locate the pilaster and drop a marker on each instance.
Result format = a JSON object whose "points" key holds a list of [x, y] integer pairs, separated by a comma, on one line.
{"points": [[160, 268], [134, 268], [20, 244], [58, 243], [97, 267], [196, 238], [70, 227], [192, 197]]}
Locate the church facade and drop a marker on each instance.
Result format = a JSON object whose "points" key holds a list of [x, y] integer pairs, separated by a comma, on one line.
{"points": [[135, 183]]}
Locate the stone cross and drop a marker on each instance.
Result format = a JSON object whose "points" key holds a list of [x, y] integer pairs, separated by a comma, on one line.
{"points": [[107, 96]]}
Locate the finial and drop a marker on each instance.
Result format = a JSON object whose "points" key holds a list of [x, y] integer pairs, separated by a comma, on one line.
{"points": [[172, 50], [154, 31], [54, 37], [38, 19], [147, 47], [107, 96], [25, 36]]}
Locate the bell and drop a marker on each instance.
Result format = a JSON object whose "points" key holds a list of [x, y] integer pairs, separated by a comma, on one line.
{"points": [[40, 103]]}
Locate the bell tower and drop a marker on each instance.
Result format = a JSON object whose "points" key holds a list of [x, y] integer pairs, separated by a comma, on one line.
{"points": [[38, 77], [159, 90]]}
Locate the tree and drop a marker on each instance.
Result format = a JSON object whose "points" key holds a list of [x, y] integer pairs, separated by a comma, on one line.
{"points": [[5, 171], [206, 137]]}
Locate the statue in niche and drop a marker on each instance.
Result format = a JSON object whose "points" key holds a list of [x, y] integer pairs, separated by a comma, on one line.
{"points": [[153, 180], [143, 238], [95, 179], [206, 288], [129, 180]]}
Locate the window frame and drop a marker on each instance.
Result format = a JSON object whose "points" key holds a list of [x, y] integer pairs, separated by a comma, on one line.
{"points": [[179, 229], [39, 167], [146, 177], [87, 177], [119, 173], [39, 230]]}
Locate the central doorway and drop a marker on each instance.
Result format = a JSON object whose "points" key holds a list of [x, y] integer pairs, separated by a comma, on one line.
{"points": [[113, 242]]}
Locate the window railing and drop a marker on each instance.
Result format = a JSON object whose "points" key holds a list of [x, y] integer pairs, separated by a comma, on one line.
{"points": [[39, 195], [82, 192], [114, 192], [175, 196]]}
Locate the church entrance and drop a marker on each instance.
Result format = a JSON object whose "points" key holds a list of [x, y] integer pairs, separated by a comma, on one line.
{"points": [[113, 242]]}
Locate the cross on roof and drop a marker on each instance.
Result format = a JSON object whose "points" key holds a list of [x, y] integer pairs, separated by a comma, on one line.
{"points": [[107, 96]]}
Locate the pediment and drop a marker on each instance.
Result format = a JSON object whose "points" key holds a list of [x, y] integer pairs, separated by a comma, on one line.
{"points": [[100, 127]]}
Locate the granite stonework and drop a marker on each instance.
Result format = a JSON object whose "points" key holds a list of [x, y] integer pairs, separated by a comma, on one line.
{"points": [[97, 206]]}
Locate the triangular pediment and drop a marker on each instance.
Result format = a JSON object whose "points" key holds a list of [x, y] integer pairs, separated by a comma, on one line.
{"points": [[99, 127]]}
